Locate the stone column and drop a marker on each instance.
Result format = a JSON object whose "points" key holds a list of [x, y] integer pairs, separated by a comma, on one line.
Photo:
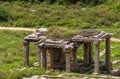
{"points": [[75, 60], [39, 55], [48, 55], [26, 53], [90, 52], [107, 55], [96, 60], [86, 54], [43, 58], [68, 62], [51, 54]]}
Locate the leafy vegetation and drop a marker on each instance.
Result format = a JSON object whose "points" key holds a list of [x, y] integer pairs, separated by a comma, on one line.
{"points": [[4, 14], [11, 60], [46, 15]]}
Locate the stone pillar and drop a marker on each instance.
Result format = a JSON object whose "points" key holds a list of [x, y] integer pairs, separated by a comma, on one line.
{"points": [[107, 55], [39, 55], [26, 53], [48, 62], [68, 62], [51, 54], [96, 60], [86, 54], [90, 52], [75, 60], [62, 60], [43, 58]]}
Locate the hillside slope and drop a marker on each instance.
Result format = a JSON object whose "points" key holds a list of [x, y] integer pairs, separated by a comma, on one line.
{"points": [[20, 14]]}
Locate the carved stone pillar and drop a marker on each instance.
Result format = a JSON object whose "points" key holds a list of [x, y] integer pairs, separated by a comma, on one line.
{"points": [[26, 53], [107, 55], [96, 60]]}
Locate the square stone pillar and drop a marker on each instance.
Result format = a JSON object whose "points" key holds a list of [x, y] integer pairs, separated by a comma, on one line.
{"points": [[96, 60], [39, 55], [74, 60], [43, 58], [26, 53], [68, 62], [107, 55], [90, 53], [49, 59], [86, 54]]}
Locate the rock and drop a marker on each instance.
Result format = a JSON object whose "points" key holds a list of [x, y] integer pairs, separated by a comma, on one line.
{"points": [[25, 78], [32, 10], [35, 77], [36, 64], [102, 53], [42, 78], [83, 69], [115, 72], [33, 35], [102, 66], [60, 75], [85, 78], [42, 30], [116, 61], [22, 69], [47, 71], [92, 78], [83, 9], [81, 64]]}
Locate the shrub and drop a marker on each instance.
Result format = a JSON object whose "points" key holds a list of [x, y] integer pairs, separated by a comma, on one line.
{"points": [[92, 2], [4, 14], [115, 5], [24, 23]]}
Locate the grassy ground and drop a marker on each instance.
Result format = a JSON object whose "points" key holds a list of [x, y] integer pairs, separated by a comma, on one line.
{"points": [[11, 52]]}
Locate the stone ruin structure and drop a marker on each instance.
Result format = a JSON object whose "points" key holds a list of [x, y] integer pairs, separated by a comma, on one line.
{"points": [[62, 54]]}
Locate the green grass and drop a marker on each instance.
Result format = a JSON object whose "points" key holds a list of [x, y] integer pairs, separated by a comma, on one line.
{"points": [[11, 52]]}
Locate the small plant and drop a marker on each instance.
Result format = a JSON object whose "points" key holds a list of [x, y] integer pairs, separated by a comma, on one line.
{"points": [[4, 14]]}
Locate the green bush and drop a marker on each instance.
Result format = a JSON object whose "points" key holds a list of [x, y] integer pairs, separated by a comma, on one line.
{"points": [[115, 5], [24, 23], [4, 14]]}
